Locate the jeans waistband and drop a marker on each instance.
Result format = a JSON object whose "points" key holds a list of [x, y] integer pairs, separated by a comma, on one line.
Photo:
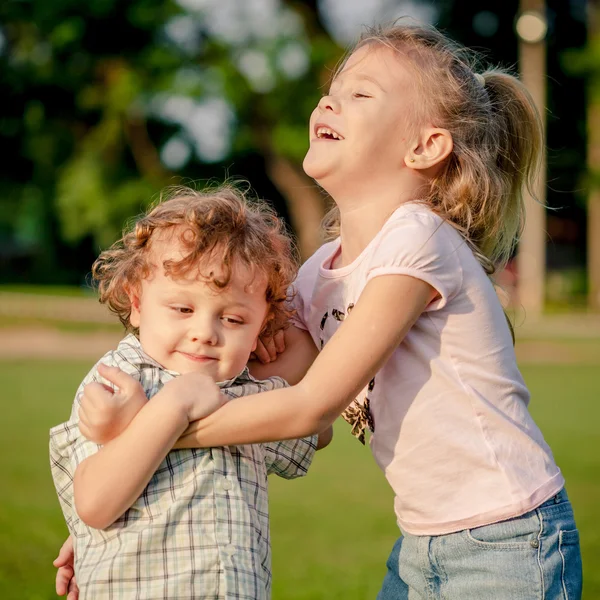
{"points": [[556, 499]]}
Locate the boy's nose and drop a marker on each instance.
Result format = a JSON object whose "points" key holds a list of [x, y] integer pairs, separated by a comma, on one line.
{"points": [[204, 333]]}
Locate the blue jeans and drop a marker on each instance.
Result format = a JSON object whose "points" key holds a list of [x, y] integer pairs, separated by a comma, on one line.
{"points": [[532, 557]]}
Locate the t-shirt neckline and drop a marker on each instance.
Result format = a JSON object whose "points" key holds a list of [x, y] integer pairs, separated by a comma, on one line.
{"points": [[325, 269]]}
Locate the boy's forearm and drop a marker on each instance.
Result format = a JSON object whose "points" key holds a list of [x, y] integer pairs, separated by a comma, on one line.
{"points": [[109, 482]]}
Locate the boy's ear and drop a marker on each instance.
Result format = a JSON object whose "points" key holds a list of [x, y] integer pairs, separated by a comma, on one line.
{"points": [[134, 299], [432, 147]]}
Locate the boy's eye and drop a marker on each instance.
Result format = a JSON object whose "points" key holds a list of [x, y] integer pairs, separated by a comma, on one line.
{"points": [[360, 95], [233, 320], [183, 310]]}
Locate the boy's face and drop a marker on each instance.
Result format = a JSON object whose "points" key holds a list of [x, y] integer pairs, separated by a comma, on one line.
{"points": [[186, 325]]}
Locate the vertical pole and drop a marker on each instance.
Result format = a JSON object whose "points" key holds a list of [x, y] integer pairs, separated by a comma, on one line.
{"points": [[531, 254]]}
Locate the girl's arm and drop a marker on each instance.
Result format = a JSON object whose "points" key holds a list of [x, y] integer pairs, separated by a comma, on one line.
{"points": [[107, 483], [385, 312]]}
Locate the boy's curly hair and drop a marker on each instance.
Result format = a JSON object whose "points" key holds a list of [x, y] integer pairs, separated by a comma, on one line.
{"points": [[219, 223]]}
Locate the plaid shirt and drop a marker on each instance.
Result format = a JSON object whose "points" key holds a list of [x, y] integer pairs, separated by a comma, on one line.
{"points": [[200, 529]]}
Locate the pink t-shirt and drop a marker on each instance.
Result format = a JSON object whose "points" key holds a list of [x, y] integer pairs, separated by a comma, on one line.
{"points": [[452, 432]]}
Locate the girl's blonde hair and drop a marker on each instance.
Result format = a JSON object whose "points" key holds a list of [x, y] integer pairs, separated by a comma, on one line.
{"points": [[215, 224], [496, 131]]}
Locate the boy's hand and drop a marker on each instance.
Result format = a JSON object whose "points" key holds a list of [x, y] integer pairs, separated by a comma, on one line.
{"points": [[268, 347], [197, 394], [105, 412], [65, 576]]}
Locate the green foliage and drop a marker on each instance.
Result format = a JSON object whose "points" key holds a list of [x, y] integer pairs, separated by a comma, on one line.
{"points": [[82, 121]]}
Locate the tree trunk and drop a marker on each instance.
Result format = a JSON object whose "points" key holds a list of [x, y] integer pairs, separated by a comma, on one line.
{"points": [[531, 257], [304, 199], [593, 164]]}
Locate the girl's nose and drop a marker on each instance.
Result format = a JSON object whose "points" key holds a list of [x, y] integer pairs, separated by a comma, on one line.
{"points": [[329, 103]]}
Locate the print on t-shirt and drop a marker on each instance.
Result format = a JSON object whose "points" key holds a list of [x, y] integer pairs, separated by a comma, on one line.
{"points": [[358, 414]]}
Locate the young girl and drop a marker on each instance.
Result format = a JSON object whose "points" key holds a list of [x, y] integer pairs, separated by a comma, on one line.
{"points": [[426, 159]]}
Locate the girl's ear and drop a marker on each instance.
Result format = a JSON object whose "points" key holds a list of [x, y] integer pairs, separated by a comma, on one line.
{"points": [[431, 149]]}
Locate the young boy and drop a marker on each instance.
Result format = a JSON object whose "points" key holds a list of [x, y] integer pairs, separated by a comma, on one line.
{"points": [[196, 282]]}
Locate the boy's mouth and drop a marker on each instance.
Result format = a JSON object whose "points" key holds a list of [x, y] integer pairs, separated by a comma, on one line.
{"points": [[201, 358], [324, 132]]}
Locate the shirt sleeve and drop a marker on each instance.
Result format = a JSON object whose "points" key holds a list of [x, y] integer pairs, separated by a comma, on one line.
{"points": [[288, 458], [423, 246]]}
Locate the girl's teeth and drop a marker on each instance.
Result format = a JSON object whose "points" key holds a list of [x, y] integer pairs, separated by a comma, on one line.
{"points": [[326, 131]]}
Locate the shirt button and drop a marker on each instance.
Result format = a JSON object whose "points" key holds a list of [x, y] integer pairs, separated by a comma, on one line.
{"points": [[229, 549], [535, 544], [226, 484]]}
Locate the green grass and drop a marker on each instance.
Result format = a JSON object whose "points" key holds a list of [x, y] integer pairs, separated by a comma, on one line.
{"points": [[58, 324], [48, 290], [331, 531]]}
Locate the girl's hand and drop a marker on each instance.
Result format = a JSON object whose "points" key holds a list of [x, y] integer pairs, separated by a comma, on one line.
{"points": [[65, 576], [105, 412], [268, 347], [196, 393]]}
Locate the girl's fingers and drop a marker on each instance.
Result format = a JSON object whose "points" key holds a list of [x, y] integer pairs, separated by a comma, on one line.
{"points": [[261, 352], [279, 339], [64, 577], [65, 554], [73, 590], [270, 348]]}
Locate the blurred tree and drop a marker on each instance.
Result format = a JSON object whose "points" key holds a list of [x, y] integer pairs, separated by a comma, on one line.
{"points": [[110, 101], [593, 123], [531, 254], [586, 62]]}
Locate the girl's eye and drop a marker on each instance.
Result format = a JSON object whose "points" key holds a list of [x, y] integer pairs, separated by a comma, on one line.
{"points": [[359, 95], [183, 310]]}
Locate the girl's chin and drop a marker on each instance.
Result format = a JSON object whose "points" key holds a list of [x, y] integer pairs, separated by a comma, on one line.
{"points": [[319, 172]]}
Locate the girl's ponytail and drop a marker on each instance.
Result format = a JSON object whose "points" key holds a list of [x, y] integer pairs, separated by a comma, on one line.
{"points": [[517, 127], [496, 132]]}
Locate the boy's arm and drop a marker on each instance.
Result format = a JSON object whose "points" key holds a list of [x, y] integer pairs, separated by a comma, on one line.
{"points": [[107, 483]]}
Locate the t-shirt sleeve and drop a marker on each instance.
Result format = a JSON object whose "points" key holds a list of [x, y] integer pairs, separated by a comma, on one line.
{"points": [[422, 246], [302, 289], [296, 303]]}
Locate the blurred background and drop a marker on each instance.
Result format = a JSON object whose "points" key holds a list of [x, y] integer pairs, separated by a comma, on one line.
{"points": [[104, 103]]}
